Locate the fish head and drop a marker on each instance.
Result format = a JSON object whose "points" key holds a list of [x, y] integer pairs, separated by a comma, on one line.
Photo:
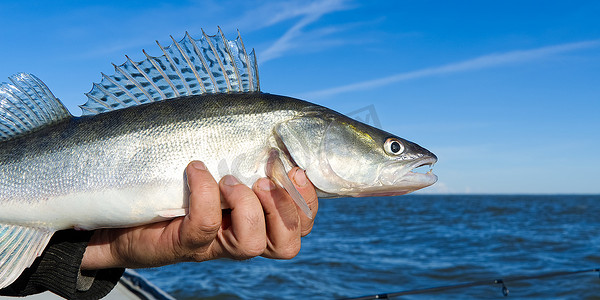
{"points": [[343, 157]]}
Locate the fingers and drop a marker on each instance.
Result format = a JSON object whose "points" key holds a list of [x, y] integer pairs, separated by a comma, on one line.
{"points": [[282, 217], [201, 224], [286, 223], [246, 235], [307, 190], [263, 221]]}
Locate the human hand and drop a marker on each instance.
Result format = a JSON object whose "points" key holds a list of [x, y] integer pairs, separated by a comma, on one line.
{"points": [[262, 221]]}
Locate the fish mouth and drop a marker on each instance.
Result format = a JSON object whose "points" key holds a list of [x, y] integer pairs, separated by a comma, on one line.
{"points": [[413, 175], [398, 178], [428, 162]]}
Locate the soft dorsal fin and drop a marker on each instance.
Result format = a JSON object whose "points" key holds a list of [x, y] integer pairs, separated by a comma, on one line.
{"points": [[26, 103], [211, 64]]}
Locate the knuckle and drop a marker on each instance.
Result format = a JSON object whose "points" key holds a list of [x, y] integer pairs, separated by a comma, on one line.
{"points": [[289, 252], [203, 187], [210, 227], [253, 252], [253, 219], [202, 234], [251, 249], [195, 241], [196, 257], [201, 255], [307, 229]]}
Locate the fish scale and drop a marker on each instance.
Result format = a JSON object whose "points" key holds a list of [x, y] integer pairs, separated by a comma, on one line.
{"points": [[122, 163]]}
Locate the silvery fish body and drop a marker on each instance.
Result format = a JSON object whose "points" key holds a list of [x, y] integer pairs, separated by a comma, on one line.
{"points": [[122, 163], [134, 158]]}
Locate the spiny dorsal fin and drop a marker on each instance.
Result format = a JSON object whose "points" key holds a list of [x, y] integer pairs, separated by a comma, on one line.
{"points": [[211, 64], [26, 104]]}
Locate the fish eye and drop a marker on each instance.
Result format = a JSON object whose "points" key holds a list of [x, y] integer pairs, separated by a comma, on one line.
{"points": [[393, 146]]}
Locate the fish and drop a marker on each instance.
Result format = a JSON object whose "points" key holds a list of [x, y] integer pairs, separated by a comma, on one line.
{"points": [[121, 163]]}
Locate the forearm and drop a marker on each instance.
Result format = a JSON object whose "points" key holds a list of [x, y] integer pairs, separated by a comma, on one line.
{"points": [[58, 270]]}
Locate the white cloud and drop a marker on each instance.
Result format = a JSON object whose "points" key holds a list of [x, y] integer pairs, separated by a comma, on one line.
{"points": [[485, 61], [296, 36], [276, 12]]}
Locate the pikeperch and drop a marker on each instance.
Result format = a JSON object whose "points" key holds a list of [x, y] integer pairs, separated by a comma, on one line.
{"points": [[122, 162]]}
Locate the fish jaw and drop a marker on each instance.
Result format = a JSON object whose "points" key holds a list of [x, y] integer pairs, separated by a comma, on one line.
{"points": [[395, 179], [401, 180], [398, 175]]}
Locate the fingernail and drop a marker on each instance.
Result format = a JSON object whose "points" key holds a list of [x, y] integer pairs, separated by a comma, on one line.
{"points": [[230, 180], [266, 184], [300, 177], [199, 165]]}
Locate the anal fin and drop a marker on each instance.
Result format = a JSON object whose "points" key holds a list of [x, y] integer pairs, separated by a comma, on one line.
{"points": [[19, 246], [276, 172]]}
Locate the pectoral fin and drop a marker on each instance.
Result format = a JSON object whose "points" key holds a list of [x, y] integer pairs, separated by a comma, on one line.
{"points": [[276, 172]]}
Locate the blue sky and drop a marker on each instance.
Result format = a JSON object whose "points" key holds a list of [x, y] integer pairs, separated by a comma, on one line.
{"points": [[506, 93]]}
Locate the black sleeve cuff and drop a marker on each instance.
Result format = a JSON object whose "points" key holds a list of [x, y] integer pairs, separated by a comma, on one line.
{"points": [[57, 270]]}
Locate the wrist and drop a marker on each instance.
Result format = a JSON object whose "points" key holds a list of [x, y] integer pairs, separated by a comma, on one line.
{"points": [[99, 253]]}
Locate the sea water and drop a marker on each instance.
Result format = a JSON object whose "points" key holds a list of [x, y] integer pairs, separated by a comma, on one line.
{"points": [[366, 246]]}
